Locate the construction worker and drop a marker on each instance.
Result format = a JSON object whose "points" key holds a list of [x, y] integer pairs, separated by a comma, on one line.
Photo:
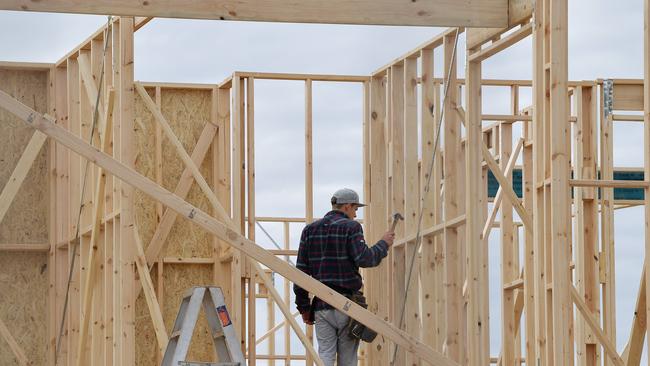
{"points": [[331, 250]]}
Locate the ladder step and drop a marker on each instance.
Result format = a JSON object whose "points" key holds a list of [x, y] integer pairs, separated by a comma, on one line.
{"points": [[175, 334], [218, 335]]}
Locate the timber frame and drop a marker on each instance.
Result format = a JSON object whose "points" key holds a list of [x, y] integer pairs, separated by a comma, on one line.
{"points": [[556, 206]]}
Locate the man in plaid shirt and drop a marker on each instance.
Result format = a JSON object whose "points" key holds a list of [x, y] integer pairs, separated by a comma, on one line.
{"points": [[332, 250]]}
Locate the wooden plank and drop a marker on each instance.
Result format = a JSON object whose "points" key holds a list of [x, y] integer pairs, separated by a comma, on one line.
{"points": [[477, 326], [503, 43], [518, 12], [609, 183], [628, 97], [452, 206], [215, 227], [309, 185], [429, 188], [489, 223], [608, 345], [634, 348], [304, 77], [126, 97], [560, 220], [412, 316], [538, 175], [17, 177], [377, 211], [24, 247], [508, 271], [397, 199], [150, 295], [646, 152], [13, 345], [250, 183], [507, 186], [475, 13]]}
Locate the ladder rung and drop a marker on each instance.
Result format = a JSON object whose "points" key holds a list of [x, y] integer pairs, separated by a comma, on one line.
{"points": [[217, 335], [175, 334]]}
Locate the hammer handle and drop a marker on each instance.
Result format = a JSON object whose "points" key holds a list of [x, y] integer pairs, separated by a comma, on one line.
{"points": [[394, 224]]}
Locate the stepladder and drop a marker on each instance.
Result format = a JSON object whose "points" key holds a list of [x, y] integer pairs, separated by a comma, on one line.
{"points": [[222, 331]]}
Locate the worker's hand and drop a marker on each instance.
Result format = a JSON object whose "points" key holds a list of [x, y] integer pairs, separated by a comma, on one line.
{"points": [[389, 237], [305, 318]]}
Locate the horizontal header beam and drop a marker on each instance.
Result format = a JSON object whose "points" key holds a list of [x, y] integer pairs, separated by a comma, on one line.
{"points": [[468, 13]]}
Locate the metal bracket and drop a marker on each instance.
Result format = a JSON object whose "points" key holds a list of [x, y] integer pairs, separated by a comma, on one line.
{"points": [[608, 97]]}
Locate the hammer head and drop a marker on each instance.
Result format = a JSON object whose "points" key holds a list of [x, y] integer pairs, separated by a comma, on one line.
{"points": [[397, 216]]}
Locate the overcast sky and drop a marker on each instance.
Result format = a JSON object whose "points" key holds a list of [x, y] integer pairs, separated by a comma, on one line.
{"points": [[605, 41]]}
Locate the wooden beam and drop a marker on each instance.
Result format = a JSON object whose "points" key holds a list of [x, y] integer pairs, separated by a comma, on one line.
{"points": [[489, 224], [503, 43], [150, 295], [608, 183], [593, 323], [474, 13], [202, 219], [20, 172], [24, 247], [273, 329], [507, 186], [634, 347]]}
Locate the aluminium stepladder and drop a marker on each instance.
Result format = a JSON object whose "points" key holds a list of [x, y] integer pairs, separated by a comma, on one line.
{"points": [[224, 337]]}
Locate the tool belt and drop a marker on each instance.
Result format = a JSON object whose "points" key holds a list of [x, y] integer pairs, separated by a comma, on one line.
{"points": [[356, 329]]}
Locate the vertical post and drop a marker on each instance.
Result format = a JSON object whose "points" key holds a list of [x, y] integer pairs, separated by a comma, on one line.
{"points": [[159, 206], [378, 215], [539, 186], [62, 217], [287, 297], [237, 182], [397, 119], [454, 286], [75, 200], [476, 323], [127, 157], [309, 185], [508, 271], [556, 77], [52, 327], [646, 146], [586, 211], [411, 202], [529, 251], [250, 170], [429, 201]]}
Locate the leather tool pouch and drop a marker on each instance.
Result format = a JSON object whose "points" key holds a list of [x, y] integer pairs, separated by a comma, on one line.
{"points": [[358, 330]]}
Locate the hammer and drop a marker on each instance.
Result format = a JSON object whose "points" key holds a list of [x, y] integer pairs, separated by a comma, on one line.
{"points": [[396, 217]]}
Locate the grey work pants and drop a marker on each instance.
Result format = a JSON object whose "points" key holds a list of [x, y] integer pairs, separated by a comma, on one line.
{"points": [[333, 338]]}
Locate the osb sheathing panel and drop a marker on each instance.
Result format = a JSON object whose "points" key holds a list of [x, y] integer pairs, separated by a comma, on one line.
{"points": [[23, 276], [23, 300], [26, 220], [186, 111]]}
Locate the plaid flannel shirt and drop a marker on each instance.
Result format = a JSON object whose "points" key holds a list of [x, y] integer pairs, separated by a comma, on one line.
{"points": [[332, 250]]}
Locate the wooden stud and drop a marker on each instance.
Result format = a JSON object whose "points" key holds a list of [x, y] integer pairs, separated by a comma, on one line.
{"points": [[150, 295], [477, 323]]}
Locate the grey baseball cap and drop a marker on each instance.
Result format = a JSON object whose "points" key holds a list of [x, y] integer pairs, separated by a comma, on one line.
{"points": [[346, 195]]}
